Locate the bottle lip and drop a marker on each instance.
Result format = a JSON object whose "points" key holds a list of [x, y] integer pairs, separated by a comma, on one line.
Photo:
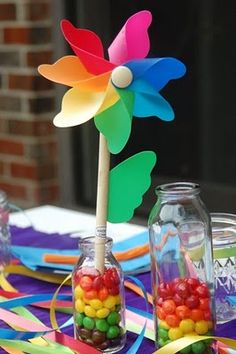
{"points": [[178, 189], [90, 241], [223, 229]]}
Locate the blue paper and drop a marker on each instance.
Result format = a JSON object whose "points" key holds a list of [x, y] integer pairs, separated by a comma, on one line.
{"points": [[32, 257]]}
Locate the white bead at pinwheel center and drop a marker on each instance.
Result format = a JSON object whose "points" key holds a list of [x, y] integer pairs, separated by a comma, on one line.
{"points": [[121, 76]]}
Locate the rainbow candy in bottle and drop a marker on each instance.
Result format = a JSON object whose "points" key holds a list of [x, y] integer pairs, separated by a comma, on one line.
{"points": [[182, 267], [98, 300]]}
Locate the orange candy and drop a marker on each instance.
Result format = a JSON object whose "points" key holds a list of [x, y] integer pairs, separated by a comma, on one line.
{"points": [[183, 312], [90, 294], [161, 313], [103, 293], [172, 320], [197, 315], [169, 306]]}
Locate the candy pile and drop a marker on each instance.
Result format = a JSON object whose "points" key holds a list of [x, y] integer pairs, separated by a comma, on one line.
{"points": [[183, 307], [97, 308]]}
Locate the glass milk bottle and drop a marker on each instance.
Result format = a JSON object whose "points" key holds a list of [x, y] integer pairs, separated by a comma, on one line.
{"points": [[182, 266], [5, 237], [99, 299]]}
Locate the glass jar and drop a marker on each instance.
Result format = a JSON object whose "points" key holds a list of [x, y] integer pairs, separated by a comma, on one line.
{"points": [[224, 248], [182, 266], [5, 236], [98, 299]]}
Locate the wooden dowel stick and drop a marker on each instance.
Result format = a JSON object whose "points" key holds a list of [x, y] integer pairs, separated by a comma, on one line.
{"points": [[102, 202]]}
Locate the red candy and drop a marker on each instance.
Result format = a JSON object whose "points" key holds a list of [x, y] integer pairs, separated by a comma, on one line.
{"points": [[178, 300], [192, 301], [115, 290], [165, 291], [202, 291], [192, 284], [182, 290], [97, 282], [183, 300], [204, 304]]}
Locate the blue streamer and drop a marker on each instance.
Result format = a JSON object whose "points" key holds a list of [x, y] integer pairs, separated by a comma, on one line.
{"points": [[28, 300], [134, 348], [25, 335], [140, 312]]}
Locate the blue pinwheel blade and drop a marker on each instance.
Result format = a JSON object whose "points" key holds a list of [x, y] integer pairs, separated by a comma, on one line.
{"points": [[157, 72], [152, 105]]}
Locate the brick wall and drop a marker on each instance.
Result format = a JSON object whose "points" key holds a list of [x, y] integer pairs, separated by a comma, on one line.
{"points": [[28, 140]]}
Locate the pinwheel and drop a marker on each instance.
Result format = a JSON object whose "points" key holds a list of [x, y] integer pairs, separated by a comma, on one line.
{"points": [[112, 91]]}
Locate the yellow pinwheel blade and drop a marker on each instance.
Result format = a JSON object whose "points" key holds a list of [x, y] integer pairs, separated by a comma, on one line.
{"points": [[78, 107]]}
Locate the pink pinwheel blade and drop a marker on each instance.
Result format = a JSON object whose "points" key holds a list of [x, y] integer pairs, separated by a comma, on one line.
{"points": [[88, 47], [132, 42]]}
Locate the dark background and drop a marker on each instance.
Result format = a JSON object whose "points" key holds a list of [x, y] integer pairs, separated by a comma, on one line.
{"points": [[200, 144]]}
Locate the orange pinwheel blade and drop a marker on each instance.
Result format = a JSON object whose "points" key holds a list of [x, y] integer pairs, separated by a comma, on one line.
{"points": [[67, 70], [95, 83]]}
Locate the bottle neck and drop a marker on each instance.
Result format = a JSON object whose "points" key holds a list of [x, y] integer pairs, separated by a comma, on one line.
{"points": [[87, 246]]}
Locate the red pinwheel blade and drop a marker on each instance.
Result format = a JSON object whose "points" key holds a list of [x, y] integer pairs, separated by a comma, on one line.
{"points": [[88, 47]]}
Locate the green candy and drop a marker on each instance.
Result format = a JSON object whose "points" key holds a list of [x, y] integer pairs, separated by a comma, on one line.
{"points": [[88, 322], [198, 347], [186, 350], [163, 342], [163, 333], [79, 318], [113, 332], [102, 325], [113, 318]]}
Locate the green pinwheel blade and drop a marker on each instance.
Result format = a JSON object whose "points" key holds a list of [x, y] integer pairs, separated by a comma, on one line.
{"points": [[128, 182], [115, 122]]}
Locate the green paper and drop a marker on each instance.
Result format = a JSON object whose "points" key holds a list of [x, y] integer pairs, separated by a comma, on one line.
{"points": [[127, 184], [115, 122]]}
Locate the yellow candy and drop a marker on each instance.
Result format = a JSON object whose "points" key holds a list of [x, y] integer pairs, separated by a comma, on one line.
{"points": [[109, 302], [190, 334], [187, 325], [102, 313], [164, 324], [79, 292], [118, 299], [96, 304], [175, 333], [79, 305], [89, 311], [201, 327]]}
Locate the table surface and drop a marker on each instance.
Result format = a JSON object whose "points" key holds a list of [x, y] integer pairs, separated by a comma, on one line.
{"points": [[23, 234]]}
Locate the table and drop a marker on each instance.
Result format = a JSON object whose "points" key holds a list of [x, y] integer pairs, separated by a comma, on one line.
{"points": [[30, 236]]}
